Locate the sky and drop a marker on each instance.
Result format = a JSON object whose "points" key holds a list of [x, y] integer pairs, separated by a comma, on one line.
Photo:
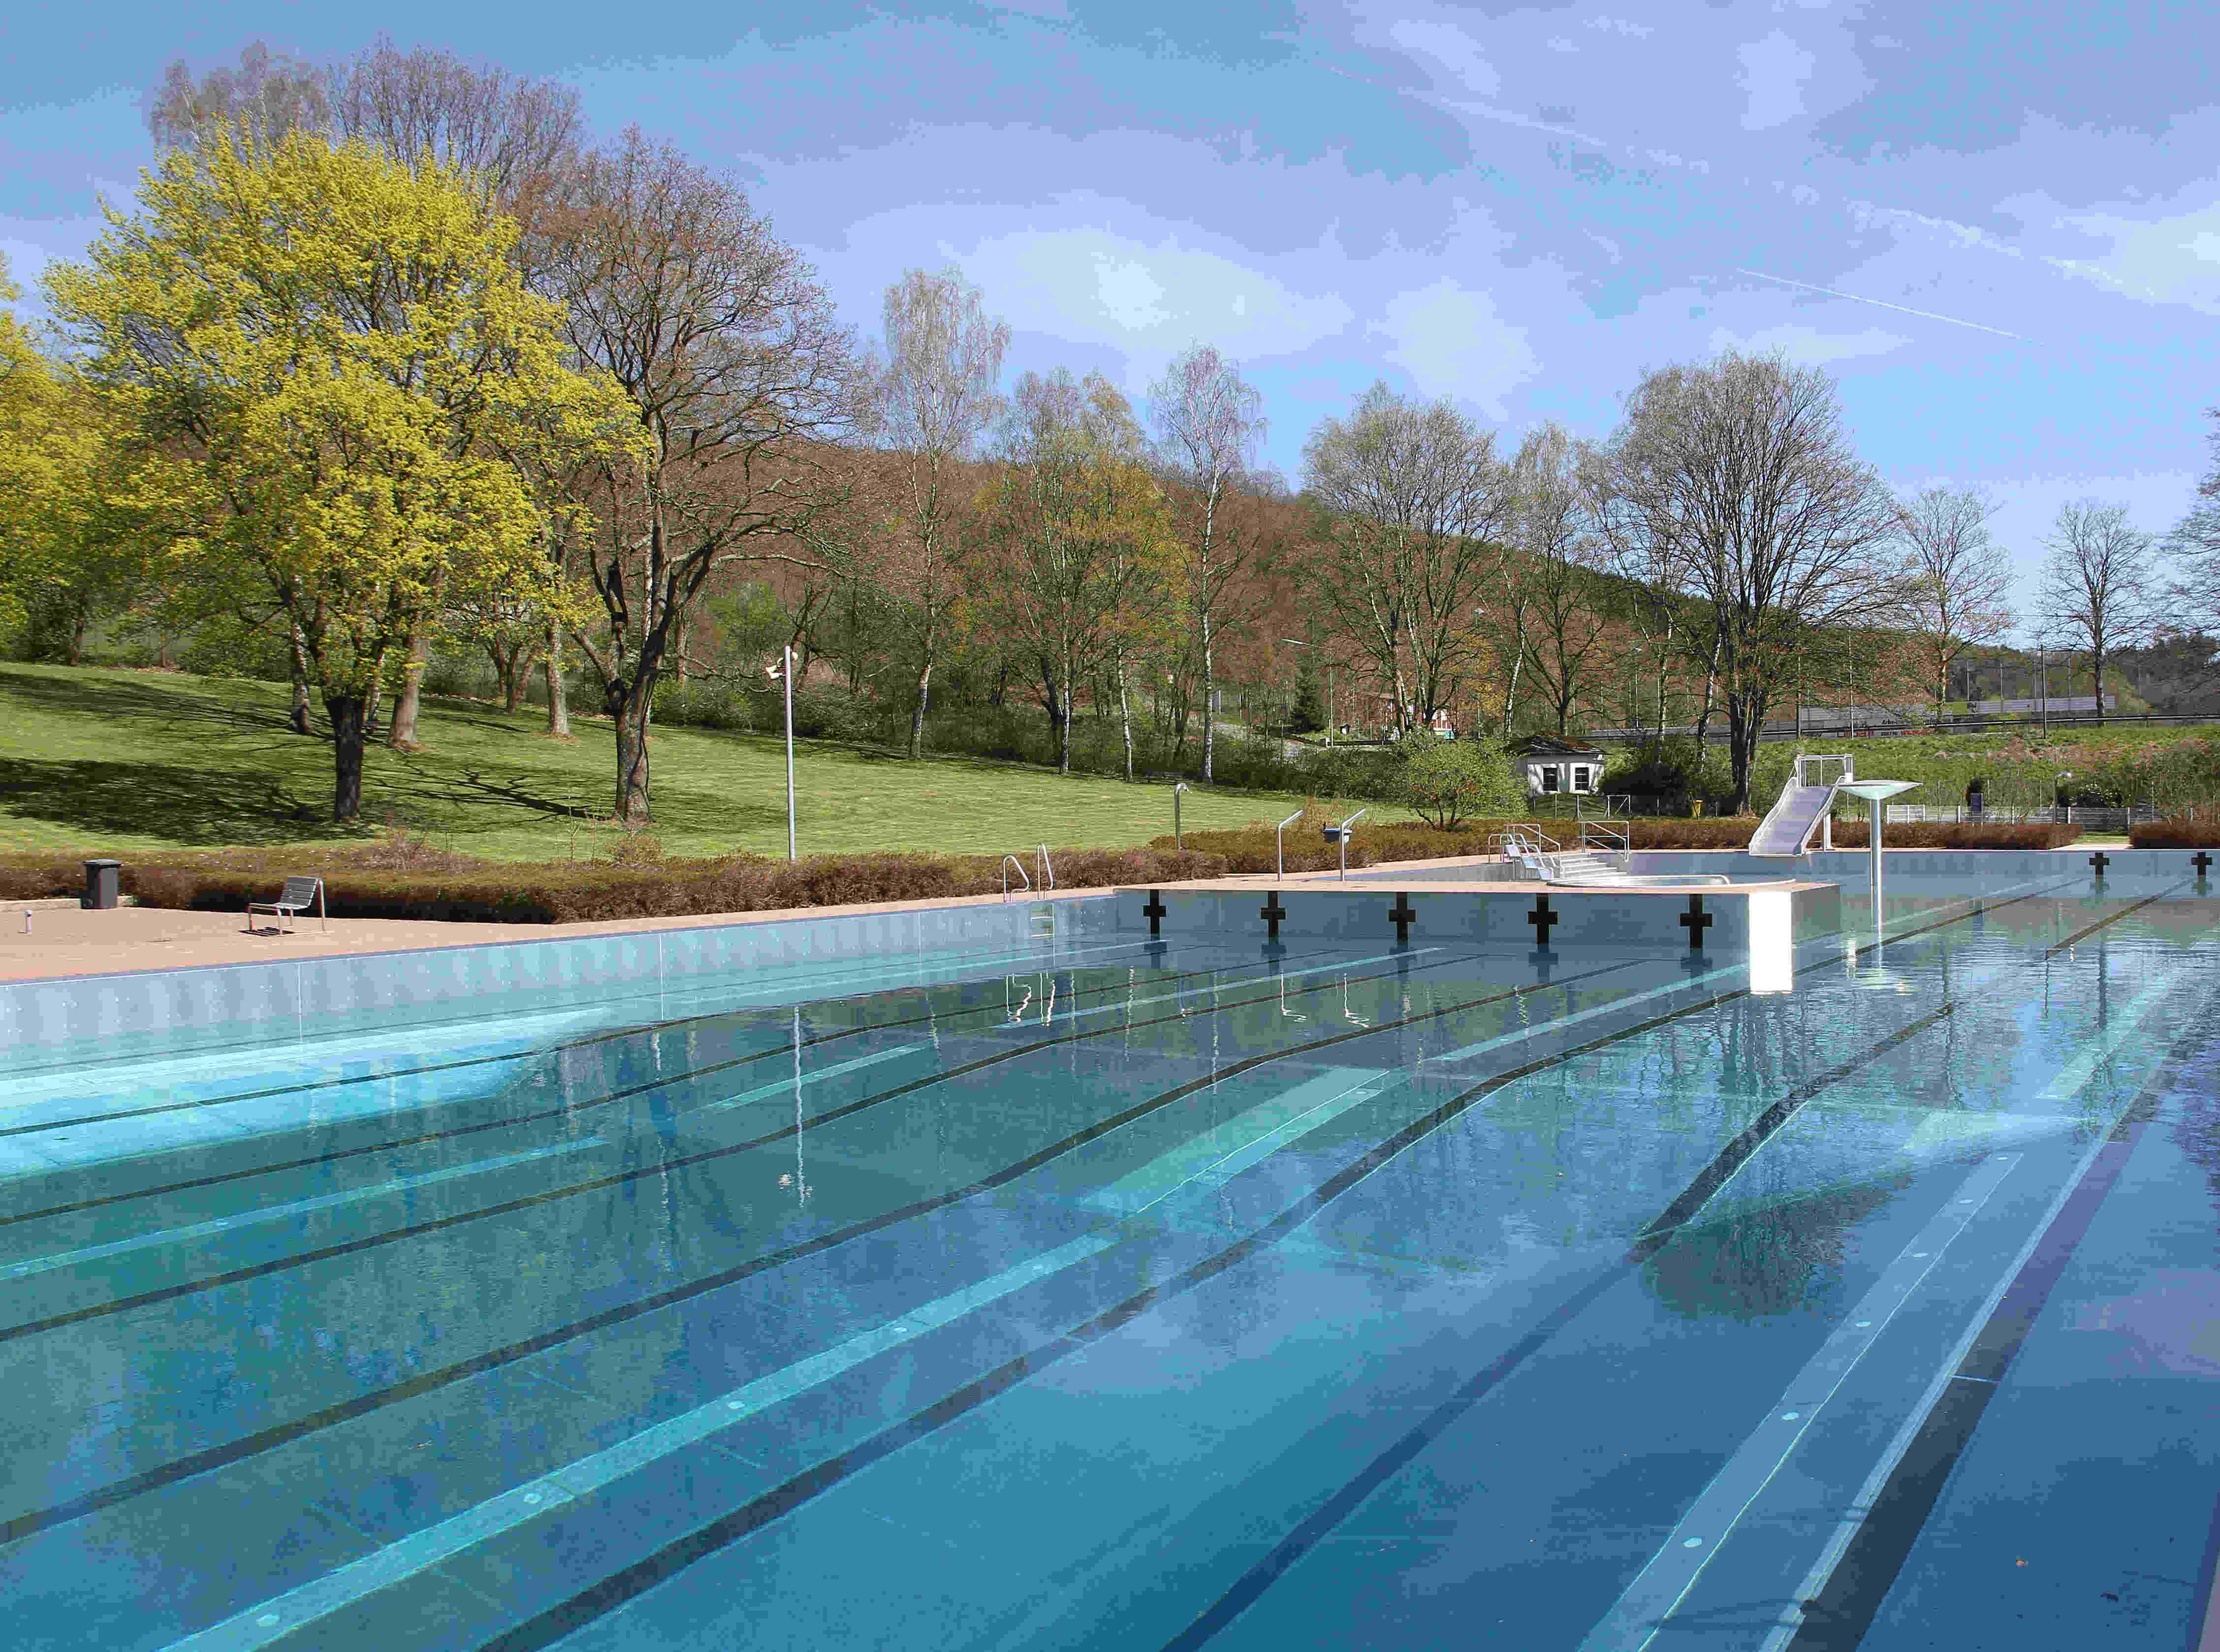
{"points": [[1997, 227]]}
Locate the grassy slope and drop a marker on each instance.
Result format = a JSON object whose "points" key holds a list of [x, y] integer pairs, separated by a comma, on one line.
{"points": [[108, 761]]}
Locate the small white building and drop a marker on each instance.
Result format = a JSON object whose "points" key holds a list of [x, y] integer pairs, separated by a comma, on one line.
{"points": [[1551, 765]]}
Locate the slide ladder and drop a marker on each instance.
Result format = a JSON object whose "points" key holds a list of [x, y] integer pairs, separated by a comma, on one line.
{"points": [[1806, 805]]}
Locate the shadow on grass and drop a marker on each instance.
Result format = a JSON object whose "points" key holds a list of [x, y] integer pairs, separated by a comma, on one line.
{"points": [[156, 700], [154, 800]]}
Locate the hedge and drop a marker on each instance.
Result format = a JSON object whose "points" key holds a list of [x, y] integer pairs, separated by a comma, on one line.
{"points": [[2182, 833], [462, 890]]}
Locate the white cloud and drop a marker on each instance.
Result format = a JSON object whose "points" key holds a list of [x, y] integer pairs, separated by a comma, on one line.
{"points": [[2170, 260], [1452, 48], [1096, 286], [1807, 347], [1774, 72], [1620, 26], [1452, 342]]}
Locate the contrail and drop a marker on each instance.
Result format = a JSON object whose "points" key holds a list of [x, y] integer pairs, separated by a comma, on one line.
{"points": [[1905, 309]]}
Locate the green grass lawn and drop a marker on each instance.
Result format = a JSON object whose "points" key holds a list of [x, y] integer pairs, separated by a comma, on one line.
{"points": [[107, 761]]}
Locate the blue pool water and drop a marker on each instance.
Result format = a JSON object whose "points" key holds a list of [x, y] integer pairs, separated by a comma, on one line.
{"points": [[1116, 1295]]}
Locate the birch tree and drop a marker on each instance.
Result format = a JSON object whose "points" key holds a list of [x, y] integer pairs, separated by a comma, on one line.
{"points": [[1558, 570], [936, 397], [1209, 424]]}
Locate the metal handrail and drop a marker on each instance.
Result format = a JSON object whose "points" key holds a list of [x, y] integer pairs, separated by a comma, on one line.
{"points": [[1046, 867], [1008, 861], [1280, 841]]}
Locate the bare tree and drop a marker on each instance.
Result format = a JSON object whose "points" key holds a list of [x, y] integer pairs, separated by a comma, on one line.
{"points": [[937, 396], [2099, 584], [1209, 423], [1413, 507], [742, 380], [1558, 569], [262, 100], [1736, 480], [1956, 596], [2195, 543]]}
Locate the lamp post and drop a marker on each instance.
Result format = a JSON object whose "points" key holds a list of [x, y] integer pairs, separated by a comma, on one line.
{"points": [[783, 674], [2063, 774]]}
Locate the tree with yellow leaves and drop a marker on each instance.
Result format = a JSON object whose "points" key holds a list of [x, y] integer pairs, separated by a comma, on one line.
{"points": [[329, 377], [34, 442], [1088, 574]]}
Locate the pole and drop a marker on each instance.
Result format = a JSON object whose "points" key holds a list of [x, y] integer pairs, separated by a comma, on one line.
{"points": [[1874, 804], [786, 676], [1179, 843]]}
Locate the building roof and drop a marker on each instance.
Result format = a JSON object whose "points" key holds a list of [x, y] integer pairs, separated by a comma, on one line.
{"points": [[1549, 746]]}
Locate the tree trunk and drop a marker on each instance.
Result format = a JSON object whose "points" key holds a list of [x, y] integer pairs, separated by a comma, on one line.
{"points": [[631, 714], [348, 715], [1209, 682], [1063, 744], [512, 679], [1744, 722], [401, 735], [1126, 718], [917, 714], [300, 670], [558, 707], [1711, 686]]}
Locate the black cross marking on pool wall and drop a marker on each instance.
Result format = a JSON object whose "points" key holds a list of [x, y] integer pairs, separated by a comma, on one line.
{"points": [[1272, 912], [1695, 920], [2099, 861], [1402, 916], [1154, 912], [2202, 862], [1543, 920]]}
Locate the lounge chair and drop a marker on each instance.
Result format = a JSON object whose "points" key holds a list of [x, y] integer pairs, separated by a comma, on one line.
{"points": [[295, 899]]}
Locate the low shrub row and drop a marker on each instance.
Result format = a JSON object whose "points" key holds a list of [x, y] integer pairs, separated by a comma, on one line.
{"points": [[575, 892], [2181, 833], [1250, 849]]}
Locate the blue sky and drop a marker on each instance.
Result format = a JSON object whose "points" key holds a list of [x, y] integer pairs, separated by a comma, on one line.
{"points": [[1517, 207]]}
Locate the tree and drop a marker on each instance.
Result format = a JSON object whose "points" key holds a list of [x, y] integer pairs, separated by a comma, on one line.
{"points": [[1736, 481], [2099, 585], [319, 363], [1307, 715], [507, 139], [741, 382], [1086, 554], [936, 397], [1412, 509], [1960, 580], [1557, 568], [1209, 423], [2195, 543], [1448, 782]]}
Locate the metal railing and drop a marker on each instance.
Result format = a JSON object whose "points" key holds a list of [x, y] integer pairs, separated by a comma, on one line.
{"points": [[1044, 868], [1280, 841], [1339, 834], [1008, 861], [2097, 817]]}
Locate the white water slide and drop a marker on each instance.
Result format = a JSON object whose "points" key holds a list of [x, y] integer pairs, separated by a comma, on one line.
{"points": [[1806, 805]]}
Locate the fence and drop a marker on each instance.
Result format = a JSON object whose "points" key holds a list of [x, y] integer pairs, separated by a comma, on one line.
{"points": [[2096, 820]]}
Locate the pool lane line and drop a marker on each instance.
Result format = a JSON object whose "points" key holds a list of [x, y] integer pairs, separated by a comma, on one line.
{"points": [[784, 1132], [262, 1213], [548, 1492], [563, 1617], [1646, 1605], [1330, 1190], [1835, 1605], [279, 1433], [515, 1121], [1315, 1527], [607, 1036]]}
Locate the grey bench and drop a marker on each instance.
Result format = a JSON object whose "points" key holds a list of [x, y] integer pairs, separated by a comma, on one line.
{"points": [[298, 894]]}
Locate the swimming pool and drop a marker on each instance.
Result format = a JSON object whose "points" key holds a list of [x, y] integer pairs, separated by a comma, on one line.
{"points": [[1109, 1294]]}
